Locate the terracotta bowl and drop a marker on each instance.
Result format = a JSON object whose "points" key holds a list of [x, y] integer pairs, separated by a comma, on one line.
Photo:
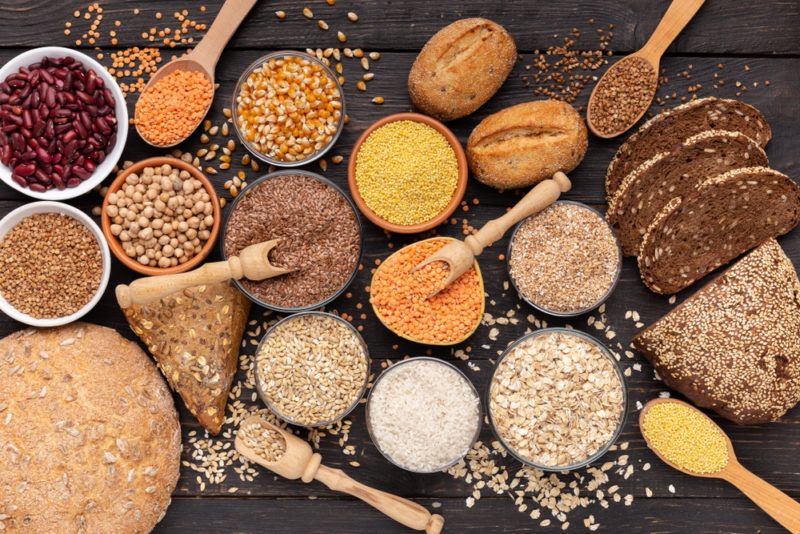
{"points": [[114, 243], [461, 186]]}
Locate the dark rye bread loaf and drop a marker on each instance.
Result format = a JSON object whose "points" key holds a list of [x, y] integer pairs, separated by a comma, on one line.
{"points": [[734, 346], [724, 217], [646, 190], [671, 127]]}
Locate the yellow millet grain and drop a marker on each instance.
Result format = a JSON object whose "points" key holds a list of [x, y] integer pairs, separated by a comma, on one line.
{"points": [[685, 437], [406, 172]]}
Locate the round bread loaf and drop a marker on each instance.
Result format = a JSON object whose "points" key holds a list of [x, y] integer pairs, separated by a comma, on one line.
{"points": [[90, 438], [527, 143], [461, 67]]}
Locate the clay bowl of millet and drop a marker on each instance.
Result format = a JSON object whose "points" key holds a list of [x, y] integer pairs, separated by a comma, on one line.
{"points": [[112, 223], [400, 199]]}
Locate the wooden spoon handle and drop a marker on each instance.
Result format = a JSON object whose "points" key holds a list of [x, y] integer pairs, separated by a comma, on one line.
{"points": [[401, 510], [537, 199], [228, 19], [678, 15], [776, 503], [148, 289]]}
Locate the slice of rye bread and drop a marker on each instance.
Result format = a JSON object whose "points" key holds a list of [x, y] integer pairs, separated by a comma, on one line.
{"points": [[671, 127], [725, 216], [647, 189], [734, 346]]}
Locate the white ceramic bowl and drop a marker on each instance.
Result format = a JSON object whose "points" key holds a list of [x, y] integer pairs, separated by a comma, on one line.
{"points": [[121, 110], [12, 219]]}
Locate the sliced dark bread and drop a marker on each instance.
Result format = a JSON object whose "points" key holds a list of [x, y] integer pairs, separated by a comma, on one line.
{"points": [[671, 127], [647, 189], [734, 346], [725, 216]]}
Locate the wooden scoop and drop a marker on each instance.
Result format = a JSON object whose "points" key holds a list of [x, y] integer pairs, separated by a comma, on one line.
{"points": [[203, 58], [678, 15], [773, 501], [251, 263], [299, 462], [459, 255]]}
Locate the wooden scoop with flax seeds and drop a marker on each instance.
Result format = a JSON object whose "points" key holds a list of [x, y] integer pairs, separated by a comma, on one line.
{"points": [[287, 455], [459, 255], [251, 263]]}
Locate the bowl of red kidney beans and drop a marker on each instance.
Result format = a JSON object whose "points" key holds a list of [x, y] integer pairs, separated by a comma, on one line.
{"points": [[63, 123]]}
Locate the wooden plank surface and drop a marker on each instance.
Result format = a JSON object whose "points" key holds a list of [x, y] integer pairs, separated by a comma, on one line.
{"points": [[753, 45]]}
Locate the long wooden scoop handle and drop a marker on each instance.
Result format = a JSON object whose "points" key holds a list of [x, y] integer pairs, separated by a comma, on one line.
{"points": [[773, 501], [401, 510], [537, 199], [222, 29], [678, 15]]}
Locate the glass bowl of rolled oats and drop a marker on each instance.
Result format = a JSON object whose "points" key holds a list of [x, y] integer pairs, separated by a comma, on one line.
{"points": [[557, 399], [311, 368]]}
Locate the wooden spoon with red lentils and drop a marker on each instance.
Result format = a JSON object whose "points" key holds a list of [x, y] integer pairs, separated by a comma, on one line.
{"points": [[623, 94]]}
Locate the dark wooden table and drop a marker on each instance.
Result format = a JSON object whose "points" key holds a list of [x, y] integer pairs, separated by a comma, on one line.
{"points": [[755, 42]]}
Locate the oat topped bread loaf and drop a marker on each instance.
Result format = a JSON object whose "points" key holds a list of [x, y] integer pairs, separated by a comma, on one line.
{"points": [[194, 336], [461, 67], [671, 127], [676, 173], [90, 438], [724, 217], [734, 346], [524, 144]]}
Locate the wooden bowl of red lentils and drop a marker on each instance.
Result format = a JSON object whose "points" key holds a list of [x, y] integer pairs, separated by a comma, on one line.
{"points": [[407, 173], [185, 229]]}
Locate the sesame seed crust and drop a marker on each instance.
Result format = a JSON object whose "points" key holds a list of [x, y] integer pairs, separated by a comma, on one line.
{"points": [[90, 439], [734, 346]]}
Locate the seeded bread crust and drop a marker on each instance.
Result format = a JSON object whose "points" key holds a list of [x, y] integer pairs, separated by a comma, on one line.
{"points": [[724, 217], [524, 144], [646, 190], [734, 346], [194, 336], [671, 127], [461, 67], [90, 438]]}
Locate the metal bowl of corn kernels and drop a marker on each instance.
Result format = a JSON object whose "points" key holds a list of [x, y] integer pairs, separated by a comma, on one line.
{"points": [[285, 128]]}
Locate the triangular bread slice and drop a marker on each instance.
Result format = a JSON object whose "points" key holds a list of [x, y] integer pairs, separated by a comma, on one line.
{"points": [[671, 127], [734, 346], [676, 173], [194, 336], [726, 216]]}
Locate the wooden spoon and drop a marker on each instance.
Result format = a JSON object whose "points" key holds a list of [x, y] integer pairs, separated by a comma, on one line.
{"points": [[773, 501], [678, 15], [460, 255], [203, 58], [251, 263], [298, 461]]}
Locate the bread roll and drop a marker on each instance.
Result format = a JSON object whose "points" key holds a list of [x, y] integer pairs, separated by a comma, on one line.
{"points": [[527, 143], [461, 67]]}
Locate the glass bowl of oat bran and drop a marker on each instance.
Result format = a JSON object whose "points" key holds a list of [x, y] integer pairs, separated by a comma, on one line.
{"points": [[557, 399], [312, 368], [564, 261]]}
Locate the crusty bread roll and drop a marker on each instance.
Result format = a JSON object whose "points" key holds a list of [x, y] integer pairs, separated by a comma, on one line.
{"points": [[90, 437], [527, 143], [461, 67]]}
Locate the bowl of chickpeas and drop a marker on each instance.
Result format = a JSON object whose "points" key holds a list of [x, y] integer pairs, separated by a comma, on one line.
{"points": [[288, 108], [161, 216]]}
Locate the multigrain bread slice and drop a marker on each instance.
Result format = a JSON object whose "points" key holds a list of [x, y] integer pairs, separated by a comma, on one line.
{"points": [[194, 336], [724, 217], [673, 126], [734, 346], [676, 173]]}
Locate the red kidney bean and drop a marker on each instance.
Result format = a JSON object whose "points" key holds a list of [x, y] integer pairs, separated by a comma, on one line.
{"points": [[39, 188], [57, 123]]}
